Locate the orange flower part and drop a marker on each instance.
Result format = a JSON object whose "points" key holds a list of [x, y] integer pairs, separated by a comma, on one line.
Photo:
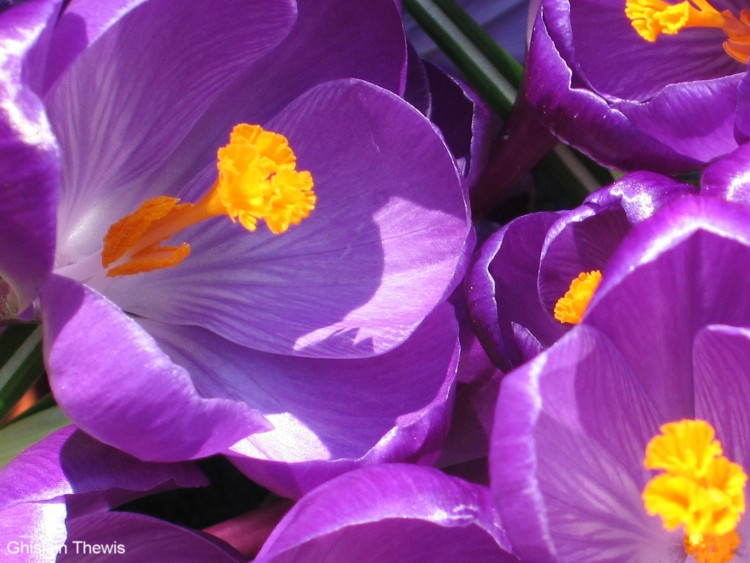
{"points": [[570, 307], [700, 489], [257, 180], [651, 18]]}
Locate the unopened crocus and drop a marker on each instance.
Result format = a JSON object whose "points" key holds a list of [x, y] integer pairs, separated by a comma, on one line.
{"points": [[56, 496], [392, 512], [530, 280], [627, 440], [608, 78], [218, 212]]}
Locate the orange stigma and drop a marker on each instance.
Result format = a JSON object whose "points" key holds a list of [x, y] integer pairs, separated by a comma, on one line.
{"points": [[699, 489], [257, 180], [651, 18]]}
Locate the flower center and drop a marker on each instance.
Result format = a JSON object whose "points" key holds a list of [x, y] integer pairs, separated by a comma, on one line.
{"points": [[650, 18], [257, 180], [571, 306], [699, 489]]}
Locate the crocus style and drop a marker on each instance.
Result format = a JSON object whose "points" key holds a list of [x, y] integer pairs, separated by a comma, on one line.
{"points": [[670, 103], [56, 499], [117, 112], [391, 512], [522, 271], [664, 342]]}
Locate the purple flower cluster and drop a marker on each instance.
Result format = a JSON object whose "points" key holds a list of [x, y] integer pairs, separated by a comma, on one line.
{"points": [[663, 340], [244, 229]]}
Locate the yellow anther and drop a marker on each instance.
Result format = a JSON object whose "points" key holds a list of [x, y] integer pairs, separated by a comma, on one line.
{"points": [[571, 306], [152, 259], [124, 235], [651, 18], [700, 489], [257, 180]]}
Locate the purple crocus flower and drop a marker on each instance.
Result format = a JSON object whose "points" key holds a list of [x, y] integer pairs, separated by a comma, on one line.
{"points": [[665, 340], [669, 105], [391, 512], [273, 344], [55, 501], [522, 270]]}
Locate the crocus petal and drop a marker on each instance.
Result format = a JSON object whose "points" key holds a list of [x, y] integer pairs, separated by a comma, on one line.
{"points": [[67, 466], [464, 120], [471, 423], [69, 462], [417, 90], [548, 416], [32, 533], [639, 194], [582, 241], [390, 513], [729, 177], [722, 385], [474, 363], [329, 41], [663, 263], [502, 289], [92, 347], [742, 123], [29, 165], [328, 416], [81, 23], [355, 278], [522, 270], [97, 103], [121, 536], [695, 119], [586, 238]]}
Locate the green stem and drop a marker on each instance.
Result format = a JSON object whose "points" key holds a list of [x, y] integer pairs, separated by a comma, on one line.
{"points": [[489, 69], [21, 354], [568, 167], [497, 78]]}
